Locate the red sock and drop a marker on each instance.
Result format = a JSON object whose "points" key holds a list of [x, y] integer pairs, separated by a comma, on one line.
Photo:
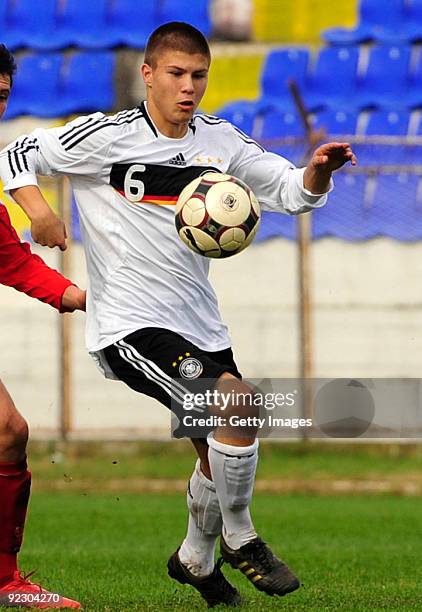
{"points": [[15, 486]]}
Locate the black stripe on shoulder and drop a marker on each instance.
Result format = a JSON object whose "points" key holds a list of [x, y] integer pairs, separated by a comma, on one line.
{"points": [[205, 119], [12, 170], [16, 154], [247, 139], [147, 118], [77, 130], [96, 128]]}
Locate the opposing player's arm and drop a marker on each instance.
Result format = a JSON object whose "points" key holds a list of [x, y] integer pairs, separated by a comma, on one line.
{"points": [[79, 147], [28, 273]]}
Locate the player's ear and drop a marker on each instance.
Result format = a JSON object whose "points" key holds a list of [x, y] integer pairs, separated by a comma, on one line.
{"points": [[146, 72]]}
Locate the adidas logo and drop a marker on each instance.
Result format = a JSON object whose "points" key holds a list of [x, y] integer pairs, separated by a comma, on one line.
{"points": [[178, 160]]}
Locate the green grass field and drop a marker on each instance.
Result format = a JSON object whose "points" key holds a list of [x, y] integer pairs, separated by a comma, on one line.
{"points": [[352, 553], [108, 548]]}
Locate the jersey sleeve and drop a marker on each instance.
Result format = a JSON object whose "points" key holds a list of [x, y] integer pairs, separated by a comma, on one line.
{"points": [[79, 147], [275, 181], [25, 271]]}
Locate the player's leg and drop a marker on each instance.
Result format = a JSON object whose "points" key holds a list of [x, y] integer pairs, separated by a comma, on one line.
{"points": [[204, 521], [144, 361], [233, 458], [15, 485]]}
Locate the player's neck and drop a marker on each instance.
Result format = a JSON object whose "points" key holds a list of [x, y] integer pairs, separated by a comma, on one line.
{"points": [[166, 128]]}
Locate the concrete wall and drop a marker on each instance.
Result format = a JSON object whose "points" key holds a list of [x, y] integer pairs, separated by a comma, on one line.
{"points": [[367, 323]]}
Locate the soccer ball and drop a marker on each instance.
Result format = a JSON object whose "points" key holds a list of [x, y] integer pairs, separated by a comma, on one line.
{"points": [[217, 215]]}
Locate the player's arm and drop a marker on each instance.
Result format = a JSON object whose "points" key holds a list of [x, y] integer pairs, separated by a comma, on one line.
{"points": [[47, 228], [79, 147], [26, 272], [277, 184], [325, 160]]}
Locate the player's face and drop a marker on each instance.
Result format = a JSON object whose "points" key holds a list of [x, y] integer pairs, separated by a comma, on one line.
{"points": [[4, 92], [175, 86]]}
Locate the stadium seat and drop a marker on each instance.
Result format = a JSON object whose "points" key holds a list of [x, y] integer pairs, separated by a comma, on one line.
{"points": [[413, 95], [384, 83], [384, 123], [388, 123], [3, 16], [397, 207], [280, 66], [87, 83], [194, 12], [277, 124], [36, 86], [241, 114], [333, 79], [413, 21], [82, 24], [131, 22], [376, 20], [337, 122], [25, 26], [347, 213]]}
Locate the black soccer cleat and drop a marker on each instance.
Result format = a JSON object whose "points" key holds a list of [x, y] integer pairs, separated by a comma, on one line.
{"points": [[259, 564], [215, 589]]}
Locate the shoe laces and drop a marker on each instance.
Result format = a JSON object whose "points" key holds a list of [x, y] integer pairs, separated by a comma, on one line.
{"points": [[261, 553], [24, 579]]}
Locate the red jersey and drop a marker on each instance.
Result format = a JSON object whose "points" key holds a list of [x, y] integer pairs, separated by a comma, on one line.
{"points": [[25, 271]]}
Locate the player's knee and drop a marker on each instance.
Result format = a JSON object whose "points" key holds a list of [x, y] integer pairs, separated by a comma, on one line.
{"points": [[13, 432], [236, 399]]}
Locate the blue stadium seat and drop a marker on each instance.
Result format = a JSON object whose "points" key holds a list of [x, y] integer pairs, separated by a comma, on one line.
{"points": [[26, 25], [337, 122], [131, 22], [241, 113], [376, 20], [87, 83], [397, 207], [412, 30], [280, 66], [387, 123], [413, 94], [3, 17], [384, 84], [194, 12], [384, 123], [278, 124], [36, 86], [347, 212], [82, 24], [333, 79]]}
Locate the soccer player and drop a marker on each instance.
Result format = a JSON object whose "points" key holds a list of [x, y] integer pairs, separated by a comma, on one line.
{"points": [[26, 272], [152, 314]]}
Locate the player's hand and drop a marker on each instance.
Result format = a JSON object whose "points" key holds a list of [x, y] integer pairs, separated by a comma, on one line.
{"points": [[48, 230], [73, 299], [332, 156]]}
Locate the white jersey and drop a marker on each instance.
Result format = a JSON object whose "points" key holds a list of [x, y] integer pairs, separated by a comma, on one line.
{"points": [[126, 178]]}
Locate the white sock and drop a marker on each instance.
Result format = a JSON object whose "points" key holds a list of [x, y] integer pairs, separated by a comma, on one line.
{"points": [[204, 526], [233, 471]]}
